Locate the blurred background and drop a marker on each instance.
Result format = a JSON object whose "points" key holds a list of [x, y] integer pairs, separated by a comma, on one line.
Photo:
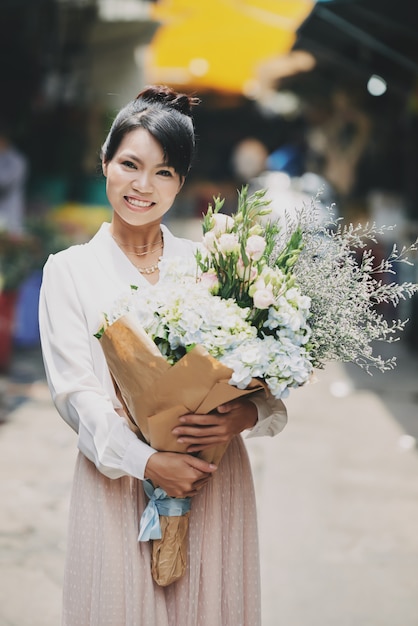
{"points": [[297, 96]]}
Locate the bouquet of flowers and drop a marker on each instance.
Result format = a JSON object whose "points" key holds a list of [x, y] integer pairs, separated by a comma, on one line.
{"points": [[325, 270], [259, 307]]}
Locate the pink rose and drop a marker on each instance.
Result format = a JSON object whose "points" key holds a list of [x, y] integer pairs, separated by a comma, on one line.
{"points": [[210, 281]]}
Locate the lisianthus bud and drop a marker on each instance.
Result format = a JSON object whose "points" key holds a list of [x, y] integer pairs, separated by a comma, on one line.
{"points": [[223, 223], [228, 243], [276, 278], [263, 298], [255, 247], [257, 229]]}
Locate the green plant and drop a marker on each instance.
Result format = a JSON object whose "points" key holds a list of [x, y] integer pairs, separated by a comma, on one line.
{"points": [[47, 239], [16, 260], [22, 254]]}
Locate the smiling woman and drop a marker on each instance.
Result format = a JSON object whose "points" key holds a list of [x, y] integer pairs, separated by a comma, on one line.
{"points": [[108, 575]]}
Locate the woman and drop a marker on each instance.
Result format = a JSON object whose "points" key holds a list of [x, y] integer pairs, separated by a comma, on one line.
{"points": [[108, 581]]}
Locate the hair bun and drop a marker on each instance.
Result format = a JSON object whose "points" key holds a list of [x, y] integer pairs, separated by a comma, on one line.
{"points": [[168, 97]]}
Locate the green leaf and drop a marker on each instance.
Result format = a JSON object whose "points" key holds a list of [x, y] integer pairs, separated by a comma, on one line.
{"points": [[100, 333]]}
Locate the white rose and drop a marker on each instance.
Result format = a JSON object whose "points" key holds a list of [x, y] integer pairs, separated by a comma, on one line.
{"points": [[228, 243], [255, 247], [263, 298], [209, 241], [223, 223], [258, 285]]}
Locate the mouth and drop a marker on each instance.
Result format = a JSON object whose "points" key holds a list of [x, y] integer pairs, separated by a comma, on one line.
{"points": [[139, 204]]}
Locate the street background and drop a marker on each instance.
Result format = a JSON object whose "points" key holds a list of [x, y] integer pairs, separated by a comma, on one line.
{"points": [[337, 495]]}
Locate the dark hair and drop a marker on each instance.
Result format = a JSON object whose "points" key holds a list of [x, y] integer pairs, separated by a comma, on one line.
{"points": [[164, 113]]}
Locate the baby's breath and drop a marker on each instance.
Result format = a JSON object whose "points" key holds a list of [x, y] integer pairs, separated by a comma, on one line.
{"points": [[337, 269]]}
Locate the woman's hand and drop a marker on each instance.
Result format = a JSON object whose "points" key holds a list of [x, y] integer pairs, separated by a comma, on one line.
{"points": [[180, 475], [204, 431]]}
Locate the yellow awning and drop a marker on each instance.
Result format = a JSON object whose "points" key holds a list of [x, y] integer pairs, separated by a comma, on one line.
{"points": [[221, 44]]}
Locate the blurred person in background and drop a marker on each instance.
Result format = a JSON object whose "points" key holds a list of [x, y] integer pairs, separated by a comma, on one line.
{"points": [[13, 175], [249, 159], [340, 138], [281, 173]]}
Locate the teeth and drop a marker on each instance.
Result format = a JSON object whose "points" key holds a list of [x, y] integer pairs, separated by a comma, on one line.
{"points": [[139, 203]]}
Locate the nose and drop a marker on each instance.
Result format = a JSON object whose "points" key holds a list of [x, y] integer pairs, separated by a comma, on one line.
{"points": [[142, 181]]}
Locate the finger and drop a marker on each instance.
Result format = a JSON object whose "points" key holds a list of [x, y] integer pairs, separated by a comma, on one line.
{"points": [[203, 441], [195, 419], [195, 430], [198, 448], [201, 465], [198, 432], [225, 408]]}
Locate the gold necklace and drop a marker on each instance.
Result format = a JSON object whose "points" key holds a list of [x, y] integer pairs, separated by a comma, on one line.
{"points": [[151, 268], [159, 247]]}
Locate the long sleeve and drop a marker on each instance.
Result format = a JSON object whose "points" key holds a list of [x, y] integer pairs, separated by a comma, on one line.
{"points": [[78, 378], [272, 416]]}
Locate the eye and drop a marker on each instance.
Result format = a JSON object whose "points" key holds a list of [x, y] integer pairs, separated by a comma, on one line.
{"points": [[129, 164], [165, 173]]}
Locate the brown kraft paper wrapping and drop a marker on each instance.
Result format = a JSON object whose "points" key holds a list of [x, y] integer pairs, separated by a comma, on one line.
{"points": [[155, 395]]}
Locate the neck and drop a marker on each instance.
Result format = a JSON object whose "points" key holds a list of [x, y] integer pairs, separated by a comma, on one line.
{"points": [[137, 241]]}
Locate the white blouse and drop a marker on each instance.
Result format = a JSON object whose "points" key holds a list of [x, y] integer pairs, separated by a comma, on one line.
{"points": [[79, 285]]}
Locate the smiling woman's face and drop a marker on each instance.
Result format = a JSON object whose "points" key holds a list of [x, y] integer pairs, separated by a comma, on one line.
{"points": [[140, 186]]}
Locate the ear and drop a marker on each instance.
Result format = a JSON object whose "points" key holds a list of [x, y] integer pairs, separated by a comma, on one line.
{"points": [[104, 168]]}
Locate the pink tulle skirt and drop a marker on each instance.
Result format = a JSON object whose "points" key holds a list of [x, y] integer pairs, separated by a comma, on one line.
{"points": [[108, 578]]}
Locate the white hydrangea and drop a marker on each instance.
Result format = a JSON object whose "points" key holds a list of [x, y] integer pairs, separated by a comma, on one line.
{"points": [[179, 312]]}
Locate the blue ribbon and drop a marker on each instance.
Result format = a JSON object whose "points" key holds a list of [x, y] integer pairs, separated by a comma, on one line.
{"points": [[159, 504]]}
